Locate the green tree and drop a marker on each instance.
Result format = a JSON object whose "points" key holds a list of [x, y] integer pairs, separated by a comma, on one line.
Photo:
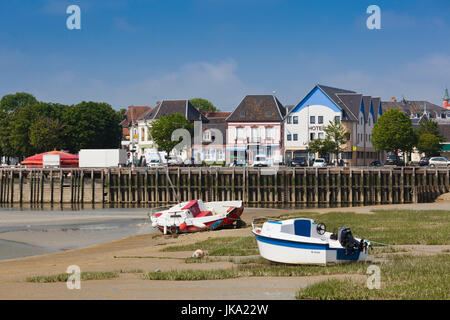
{"points": [[429, 144], [337, 135], [46, 134], [121, 113], [203, 105], [321, 146], [10, 102], [91, 125], [161, 130], [393, 131], [431, 127], [16, 138]]}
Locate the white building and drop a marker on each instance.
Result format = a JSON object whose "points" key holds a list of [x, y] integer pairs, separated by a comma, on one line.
{"points": [[307, 120]]}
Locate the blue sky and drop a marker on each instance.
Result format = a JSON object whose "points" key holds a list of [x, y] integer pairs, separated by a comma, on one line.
{"points": [[135, 52]]}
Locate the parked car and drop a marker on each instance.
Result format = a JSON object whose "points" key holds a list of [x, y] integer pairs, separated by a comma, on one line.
{"points": [[154, 163], [376, 163], [260, 161], [298, 162], [439, 162], [320, 163], [175, 161], [393, 160], [425, 161]]}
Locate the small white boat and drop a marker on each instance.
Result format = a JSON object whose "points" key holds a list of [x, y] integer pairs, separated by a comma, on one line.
{"points": [[302, 241], [196, 215]]}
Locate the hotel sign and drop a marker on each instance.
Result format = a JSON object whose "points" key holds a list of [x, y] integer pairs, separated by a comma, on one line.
{"points": [[316, 128]]}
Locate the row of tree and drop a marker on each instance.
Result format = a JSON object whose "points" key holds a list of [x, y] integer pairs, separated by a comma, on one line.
{"points": [[392, 132], [28, 126]]}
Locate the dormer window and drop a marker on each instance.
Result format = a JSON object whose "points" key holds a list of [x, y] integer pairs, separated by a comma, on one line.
{"points": [[207, 135], [242, 114]]}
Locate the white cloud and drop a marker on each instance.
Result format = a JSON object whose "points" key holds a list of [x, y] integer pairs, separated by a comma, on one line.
{"points": [[217, 82]]}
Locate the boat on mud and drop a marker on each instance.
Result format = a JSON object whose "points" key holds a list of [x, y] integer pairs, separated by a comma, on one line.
{"points": [[303, 241], [196, 215]]}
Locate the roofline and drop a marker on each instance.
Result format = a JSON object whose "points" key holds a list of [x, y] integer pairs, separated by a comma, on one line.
{"points": [[278, 107], [346, 105], [295, 106], [226, 119], [159, 108]]}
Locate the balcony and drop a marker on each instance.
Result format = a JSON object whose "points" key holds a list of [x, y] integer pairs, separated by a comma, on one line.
{"points": [[254, 140]]}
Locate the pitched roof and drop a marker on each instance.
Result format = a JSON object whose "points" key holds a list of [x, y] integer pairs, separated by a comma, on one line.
{"points": [[366, 100], [350, 104], [376, 104], [258, 108], [412, 107], [176, 106], [133, 113]]}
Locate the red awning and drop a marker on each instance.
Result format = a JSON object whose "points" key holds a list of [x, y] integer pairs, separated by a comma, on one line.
{"points": [[67, 160]]}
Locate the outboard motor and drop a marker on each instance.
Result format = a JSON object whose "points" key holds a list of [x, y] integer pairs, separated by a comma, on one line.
{"points": [[347, 240]]}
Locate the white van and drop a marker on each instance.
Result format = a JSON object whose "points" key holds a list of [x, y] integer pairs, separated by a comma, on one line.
{"points": [[260, 161], [320, 163]]}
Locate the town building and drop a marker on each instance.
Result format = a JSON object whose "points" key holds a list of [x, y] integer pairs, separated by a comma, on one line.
{"points": [[210, 139], [255, 127], [141, 143], [421, 110], [323, 104], [130, 128]]}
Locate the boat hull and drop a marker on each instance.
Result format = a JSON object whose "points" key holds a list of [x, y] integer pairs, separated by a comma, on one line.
{"points": [[215, 223], [295, 252]]}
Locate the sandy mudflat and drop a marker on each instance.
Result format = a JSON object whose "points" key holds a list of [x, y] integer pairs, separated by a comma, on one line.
{"points": [[122, 255]]}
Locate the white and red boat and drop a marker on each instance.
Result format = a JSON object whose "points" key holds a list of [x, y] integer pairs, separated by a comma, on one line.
{"points": [[196, 215]]}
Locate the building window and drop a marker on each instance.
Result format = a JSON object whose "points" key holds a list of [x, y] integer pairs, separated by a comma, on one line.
{"points": [[242, 114], [255, 134], [289, 120], [269, 152], [321, 135], [207, 135], [269, 113], [312, 136], [312, 119], [240, 133], [269, 132], [295, 137], [346, 155], [337, 119], [220, 156], [320, 119], [295, 120], [289, 137], [207, 155]]}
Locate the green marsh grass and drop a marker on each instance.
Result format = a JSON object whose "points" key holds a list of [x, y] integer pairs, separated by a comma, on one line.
{"points": [[402, 277], [64, 276], [427, 227], [224, 246]]}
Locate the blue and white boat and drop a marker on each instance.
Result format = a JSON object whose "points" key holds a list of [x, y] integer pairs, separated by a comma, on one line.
{"points": [[303, 241]]}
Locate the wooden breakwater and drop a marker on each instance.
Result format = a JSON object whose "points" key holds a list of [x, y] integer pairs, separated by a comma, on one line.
{"points": [[156, 186]]}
